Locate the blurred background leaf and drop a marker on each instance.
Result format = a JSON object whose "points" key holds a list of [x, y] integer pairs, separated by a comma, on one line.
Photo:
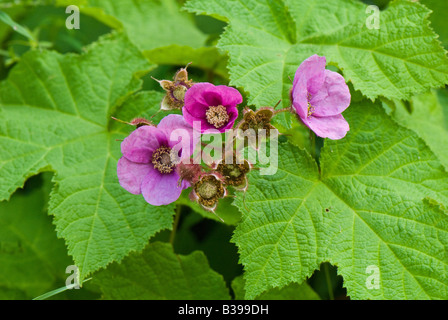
{"points": [[32, 259]]}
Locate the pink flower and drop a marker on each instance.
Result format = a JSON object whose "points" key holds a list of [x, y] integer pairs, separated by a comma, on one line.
{"points": [[319, 96], [215, 107], [150, 156]]}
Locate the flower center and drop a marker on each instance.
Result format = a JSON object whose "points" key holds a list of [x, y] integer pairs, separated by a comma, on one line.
{"points": [[311, 110], [162, 161], [217, 116]]}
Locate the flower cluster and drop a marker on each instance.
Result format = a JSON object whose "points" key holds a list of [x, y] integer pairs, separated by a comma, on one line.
{"points": [[159, 161]]}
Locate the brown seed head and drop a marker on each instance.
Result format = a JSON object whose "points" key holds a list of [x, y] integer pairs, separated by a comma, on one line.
{"points": [[209, 190], [234, 174]]}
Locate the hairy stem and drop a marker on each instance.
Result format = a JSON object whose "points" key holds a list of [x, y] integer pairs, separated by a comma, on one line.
{"points": [[176, 222], [313, 145]]}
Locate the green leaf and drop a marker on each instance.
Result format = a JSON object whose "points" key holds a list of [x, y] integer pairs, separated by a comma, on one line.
{"points": [[148, 23], [438, 18], [267, 41], [428, 119], [293, 291], [209, 59], [366, 208], [443, 99], [4, 17], [55, 116], [32, 259], [210, 237], [143, 104], [48, 23], [24, 3], [160, 274]]}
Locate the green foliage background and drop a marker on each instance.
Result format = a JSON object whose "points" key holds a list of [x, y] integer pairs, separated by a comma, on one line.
{"points": [[377, 197]]}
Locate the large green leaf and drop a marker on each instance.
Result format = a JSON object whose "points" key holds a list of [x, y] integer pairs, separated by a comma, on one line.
{"points": [[428, 117], [373, 203], [55, 116], [5, 18], [160, 274], [438, 18], [267, 41]]}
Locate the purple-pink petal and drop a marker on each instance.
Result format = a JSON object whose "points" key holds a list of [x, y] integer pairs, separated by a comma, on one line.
{"points": [[300, 99], [334, 96], [159, 189], [333, 127], [177, 130], [195, 95], [196, 110], [233, 115], [223, 95], [312, 73], [141, 143], [131, 174], [172, 122], [212, 97], [194, 120]]}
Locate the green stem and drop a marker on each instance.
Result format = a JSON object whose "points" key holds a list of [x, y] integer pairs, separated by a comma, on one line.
{"points": [[282, 110], [176, 222], [313, 144], [328, 279], [57, 291]]}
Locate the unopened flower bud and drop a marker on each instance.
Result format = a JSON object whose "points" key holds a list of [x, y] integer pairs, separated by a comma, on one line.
{"points": [[253, 122], [137, 122], [257, 120]]}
